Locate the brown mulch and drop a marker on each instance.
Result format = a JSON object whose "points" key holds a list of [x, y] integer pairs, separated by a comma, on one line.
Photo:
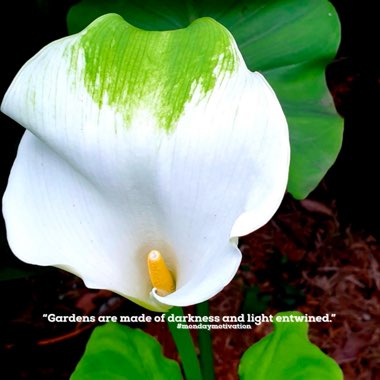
{"points": [[301, 260], [338, 272]]}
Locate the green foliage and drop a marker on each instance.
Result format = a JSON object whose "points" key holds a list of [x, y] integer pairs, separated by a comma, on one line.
{"points": [[289, 41], [117, 352], [254, 302], [287, 354], [17, 271]]}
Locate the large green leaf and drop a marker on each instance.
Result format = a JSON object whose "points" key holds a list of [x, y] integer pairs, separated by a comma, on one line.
{"points": [[117, 352], [289, 41], [287, 354]]}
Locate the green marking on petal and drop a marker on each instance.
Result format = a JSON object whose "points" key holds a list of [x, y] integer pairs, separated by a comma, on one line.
{"points": [[130, 69]]}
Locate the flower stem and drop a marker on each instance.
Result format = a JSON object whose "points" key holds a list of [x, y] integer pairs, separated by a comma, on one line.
{"points": [[205, 344], [185, 346]]}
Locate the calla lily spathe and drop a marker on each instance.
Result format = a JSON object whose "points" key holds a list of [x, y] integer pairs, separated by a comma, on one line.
{"points": [[138, 141]]}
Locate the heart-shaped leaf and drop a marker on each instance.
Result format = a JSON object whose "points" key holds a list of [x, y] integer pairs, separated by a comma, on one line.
{"points": [[287, 354], [118, 352]]}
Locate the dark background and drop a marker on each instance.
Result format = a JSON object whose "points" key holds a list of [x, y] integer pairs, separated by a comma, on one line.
{"points": [[354, 80]]}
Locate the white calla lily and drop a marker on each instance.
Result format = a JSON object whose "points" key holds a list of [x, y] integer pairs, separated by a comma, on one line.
{"points": [[143, 141]]}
